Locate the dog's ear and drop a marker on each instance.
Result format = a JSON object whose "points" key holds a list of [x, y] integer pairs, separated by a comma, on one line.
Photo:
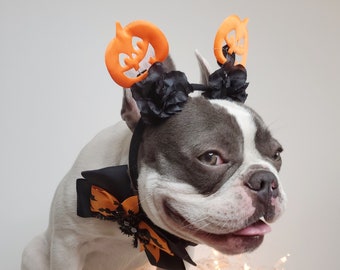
{"points": [[130, 112], [204, 68], [168, 64]]}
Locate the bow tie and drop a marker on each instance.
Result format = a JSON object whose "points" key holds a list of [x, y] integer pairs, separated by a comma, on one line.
{"points": [[107, 194]]}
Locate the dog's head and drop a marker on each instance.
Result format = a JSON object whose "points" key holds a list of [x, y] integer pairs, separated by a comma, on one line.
{"points": [[209, 174]]}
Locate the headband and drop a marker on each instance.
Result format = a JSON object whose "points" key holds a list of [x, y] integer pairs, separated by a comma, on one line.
{"points": [[160, 94]]}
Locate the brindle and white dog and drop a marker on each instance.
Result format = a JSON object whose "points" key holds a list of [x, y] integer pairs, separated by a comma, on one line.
{"points": [[209, 176]]}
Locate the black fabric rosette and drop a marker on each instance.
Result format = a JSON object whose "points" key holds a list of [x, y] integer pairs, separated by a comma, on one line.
{"points": [[161, 94], [228, 82]]}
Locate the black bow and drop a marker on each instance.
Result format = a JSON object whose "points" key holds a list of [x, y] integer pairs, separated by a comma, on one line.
{"points": [[107, 194]]}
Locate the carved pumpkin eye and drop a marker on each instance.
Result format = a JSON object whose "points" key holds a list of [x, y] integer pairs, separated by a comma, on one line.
{"points": [[211, 158]]}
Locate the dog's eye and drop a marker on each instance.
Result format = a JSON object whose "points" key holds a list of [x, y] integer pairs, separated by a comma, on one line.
{"points": [[211, 158], [277, 155]]}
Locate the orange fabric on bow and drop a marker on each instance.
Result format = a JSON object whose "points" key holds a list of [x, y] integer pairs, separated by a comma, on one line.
{"points": [[106, 204]]}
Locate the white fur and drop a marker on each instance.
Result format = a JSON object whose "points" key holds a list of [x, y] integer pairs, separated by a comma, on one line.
{"points": [[70, 239], [74, 243], [250, 154]]}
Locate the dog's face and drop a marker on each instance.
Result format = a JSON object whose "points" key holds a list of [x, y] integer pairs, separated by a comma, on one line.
{"points": [[210, 175]]}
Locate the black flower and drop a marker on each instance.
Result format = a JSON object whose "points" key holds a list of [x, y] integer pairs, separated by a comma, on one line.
{"points": [[228, 82], [161, 94]]}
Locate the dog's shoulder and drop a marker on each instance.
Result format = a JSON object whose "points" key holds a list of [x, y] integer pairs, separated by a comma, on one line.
{"points": [[108, 148]]}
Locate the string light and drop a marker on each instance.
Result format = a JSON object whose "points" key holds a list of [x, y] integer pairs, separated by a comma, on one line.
{"points": [[246, 266], [218, 261]]}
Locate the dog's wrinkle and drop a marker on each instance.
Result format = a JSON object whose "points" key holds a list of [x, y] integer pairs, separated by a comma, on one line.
{"points": [[197, 229], [209, 224], [219, 220], [185, 224], [181, 228]]}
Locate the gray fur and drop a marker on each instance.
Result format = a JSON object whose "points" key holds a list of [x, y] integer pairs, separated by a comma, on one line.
{"points": [[201, 127]]}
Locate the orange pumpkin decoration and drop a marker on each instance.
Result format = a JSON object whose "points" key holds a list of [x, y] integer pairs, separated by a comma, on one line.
{"points": [[237, 43], [128, 64]]}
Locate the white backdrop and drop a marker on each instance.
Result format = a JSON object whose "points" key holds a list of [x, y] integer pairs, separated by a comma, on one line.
{"points": [[56, 95]]}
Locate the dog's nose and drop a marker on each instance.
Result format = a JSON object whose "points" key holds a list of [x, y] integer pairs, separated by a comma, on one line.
{"points": [[265, 184]]}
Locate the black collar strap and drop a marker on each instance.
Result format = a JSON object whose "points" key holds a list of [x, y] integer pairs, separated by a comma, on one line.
{"points": [[133, 152]]}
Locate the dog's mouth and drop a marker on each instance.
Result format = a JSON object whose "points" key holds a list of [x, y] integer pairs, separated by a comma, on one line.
{"points": [[239, 241]]}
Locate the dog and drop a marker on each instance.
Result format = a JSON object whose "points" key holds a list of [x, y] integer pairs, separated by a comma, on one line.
{"points": [[209, 175]]}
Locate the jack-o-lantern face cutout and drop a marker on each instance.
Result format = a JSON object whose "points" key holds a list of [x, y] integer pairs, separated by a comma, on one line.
{"points": [[128, 63], [234, 33]]}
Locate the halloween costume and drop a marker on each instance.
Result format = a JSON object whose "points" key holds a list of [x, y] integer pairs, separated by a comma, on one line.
{"points": [[112, 193]]}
